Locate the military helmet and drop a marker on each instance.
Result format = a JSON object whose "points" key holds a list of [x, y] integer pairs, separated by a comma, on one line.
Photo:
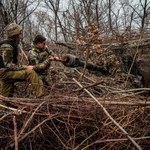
{"points": [[13, 29], [39, 38]]}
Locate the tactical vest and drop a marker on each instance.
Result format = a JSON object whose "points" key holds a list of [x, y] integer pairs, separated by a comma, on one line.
{"points": [[15, 51]]}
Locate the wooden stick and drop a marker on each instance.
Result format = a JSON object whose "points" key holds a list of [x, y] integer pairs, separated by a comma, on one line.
{"points": [[114, 140], [35, 128], [131, 90], [29, 120], [15, 133], [12, 109], [109, 116], [102, 86], [95, 84], [119, 140]]}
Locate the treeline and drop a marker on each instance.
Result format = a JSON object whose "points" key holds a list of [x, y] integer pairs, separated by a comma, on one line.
{"points": [[66, 20]]}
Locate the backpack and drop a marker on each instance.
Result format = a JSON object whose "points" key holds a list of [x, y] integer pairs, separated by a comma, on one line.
{"points": [[1, 58], [15, 52]]}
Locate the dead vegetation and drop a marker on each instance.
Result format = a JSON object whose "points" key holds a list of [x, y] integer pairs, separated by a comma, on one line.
{"points": [[74, 117], [90, 113]]}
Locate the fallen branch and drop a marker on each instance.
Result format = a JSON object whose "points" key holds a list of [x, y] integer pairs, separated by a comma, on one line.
{"points": [[109, 116], [29, 120], [114, 140], [131, 90], [35, 128], [119, 140], [15, 133]]}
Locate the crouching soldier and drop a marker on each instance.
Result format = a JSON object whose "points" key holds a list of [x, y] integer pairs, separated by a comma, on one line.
{"points": [[10, 70], [40, 57]]}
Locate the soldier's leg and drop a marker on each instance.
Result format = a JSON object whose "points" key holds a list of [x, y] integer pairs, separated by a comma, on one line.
{"points": [[28, 75], [7, 91], [35, 81], [46, 80], [7, 88]]}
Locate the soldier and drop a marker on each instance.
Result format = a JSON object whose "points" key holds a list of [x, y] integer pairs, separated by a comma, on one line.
{"points": [[10, 70], [40, 56]]}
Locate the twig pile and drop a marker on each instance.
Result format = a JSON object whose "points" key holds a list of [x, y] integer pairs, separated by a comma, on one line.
{"points": [[73, 120], [97, 113]]}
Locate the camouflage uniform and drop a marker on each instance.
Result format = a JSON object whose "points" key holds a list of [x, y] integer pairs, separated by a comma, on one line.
{"points": [[40, 59], [10, 70]]}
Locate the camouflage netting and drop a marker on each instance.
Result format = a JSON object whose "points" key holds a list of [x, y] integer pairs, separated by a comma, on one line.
{"points": [[122, 58], [110, 112]]}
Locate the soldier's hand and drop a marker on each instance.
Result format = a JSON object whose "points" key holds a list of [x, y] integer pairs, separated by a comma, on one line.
{"points": [[30, 67], [54, 58], [51, 58]]}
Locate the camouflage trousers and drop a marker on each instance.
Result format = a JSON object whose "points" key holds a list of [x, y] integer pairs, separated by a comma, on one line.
{"points": [[8, 78], [45, 79]]}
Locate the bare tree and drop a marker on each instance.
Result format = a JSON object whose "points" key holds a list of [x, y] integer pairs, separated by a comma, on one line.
{"points": [[5, 18], [109, 14], [49, 18], [142, 13], [54, 6]]}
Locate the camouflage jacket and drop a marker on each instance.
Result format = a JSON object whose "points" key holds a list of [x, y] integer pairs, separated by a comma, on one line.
{"points": [[39, 58], [9, 55]]}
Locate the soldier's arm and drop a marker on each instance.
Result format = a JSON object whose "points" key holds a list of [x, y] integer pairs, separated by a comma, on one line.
{"points": [[49, 51], [7, 55], [34, 60]]}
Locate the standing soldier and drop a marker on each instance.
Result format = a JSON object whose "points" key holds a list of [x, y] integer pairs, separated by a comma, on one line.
{"points": [[10, 70], [40, 56]]}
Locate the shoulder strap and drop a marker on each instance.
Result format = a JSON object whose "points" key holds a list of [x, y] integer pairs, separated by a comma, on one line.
{"points": [[15, 47]]}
